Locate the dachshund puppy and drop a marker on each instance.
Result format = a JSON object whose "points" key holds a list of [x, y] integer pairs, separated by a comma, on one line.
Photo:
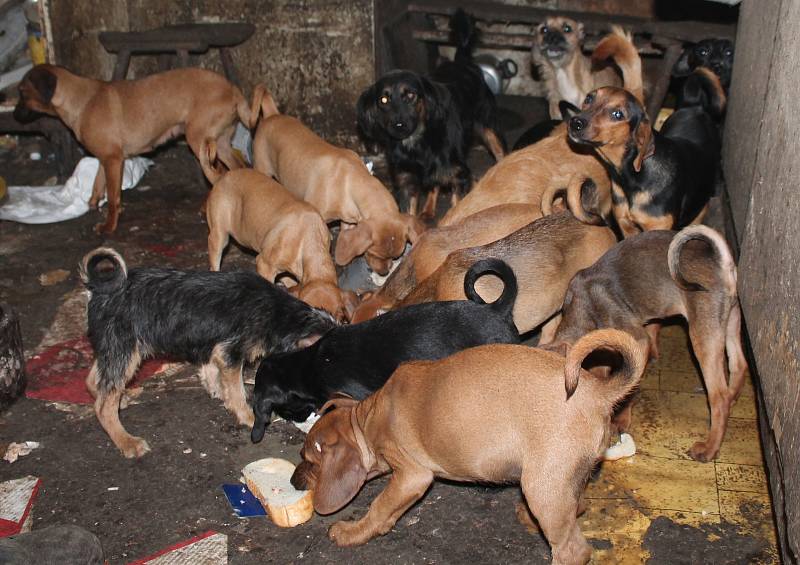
{"points": [[489, 414], [335, 181], [661, 179], [219, 320], [568, 74], [538, 173], [713, 54], [657, 275], [426, 125], [435, 245], [289, 234], [544, 255], [357, 359], [119, 119]]}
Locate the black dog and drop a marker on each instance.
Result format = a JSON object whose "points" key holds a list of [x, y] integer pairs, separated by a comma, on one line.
{"points": [[543, 129], [666, 177], [426, 125], [358, 359], [714, 54], [219, 320]]}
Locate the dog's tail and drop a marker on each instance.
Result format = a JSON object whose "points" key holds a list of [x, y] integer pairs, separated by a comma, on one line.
{"points": [[624, 376], [723, 256], [503, 305], [103, 281], [464, 33], [619, 46], [583, 198], [703, 88], [249, 113]]}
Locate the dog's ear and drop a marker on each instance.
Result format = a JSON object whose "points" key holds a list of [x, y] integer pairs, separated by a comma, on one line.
{"points": [[339, 400], [308, 341], [414, 228], [44, 81], [40, 86], [367, 115], [262, 410], [437, 101], [268, 106], [352, 242], [341, 476], [580, 32], [643, 139], [567, 110], [681, 67], [350, 301]]}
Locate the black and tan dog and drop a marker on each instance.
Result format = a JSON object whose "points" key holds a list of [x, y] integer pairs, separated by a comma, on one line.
{"points": [[661, 179], [119, 119], [714, 54], [656, 275], [356, 360], [218, 320], [426, 125]]}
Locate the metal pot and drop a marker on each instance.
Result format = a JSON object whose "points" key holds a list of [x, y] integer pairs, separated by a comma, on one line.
{"points": [[497, 73]]}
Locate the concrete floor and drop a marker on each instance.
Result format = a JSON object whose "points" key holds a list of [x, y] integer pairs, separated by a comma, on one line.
{"points": [[657, 507]]}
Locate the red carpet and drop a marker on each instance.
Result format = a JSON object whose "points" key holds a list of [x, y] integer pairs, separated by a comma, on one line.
{"points": [[58, 374]]}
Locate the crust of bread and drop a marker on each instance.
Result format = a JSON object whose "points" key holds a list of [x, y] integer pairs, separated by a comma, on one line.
{"points": [[283, 515]]}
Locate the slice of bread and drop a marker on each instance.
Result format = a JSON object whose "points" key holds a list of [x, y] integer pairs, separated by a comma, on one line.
{"points": [[268, 480]]}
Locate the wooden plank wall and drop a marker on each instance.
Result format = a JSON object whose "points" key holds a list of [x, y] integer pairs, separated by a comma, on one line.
{"points": [[762, 169]]}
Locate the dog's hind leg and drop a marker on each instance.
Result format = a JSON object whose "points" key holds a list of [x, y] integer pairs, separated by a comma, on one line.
{"points": [[226, 153], [233, 394], [492, 142], [737, 364], [406, 486], [210, 379], [98, 188], [554, 499], [217, 242], [113, 176]]}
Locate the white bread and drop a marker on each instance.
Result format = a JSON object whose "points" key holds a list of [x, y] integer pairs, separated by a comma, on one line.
{"points": [[268, 480]]}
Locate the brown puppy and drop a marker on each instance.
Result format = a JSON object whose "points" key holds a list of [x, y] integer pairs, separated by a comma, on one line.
{"points": [[289, 234], [436, 244], [524, 176], [657, 275], [544, 255], [337, 183], [119, 119], [569, 74], [523, 428]]}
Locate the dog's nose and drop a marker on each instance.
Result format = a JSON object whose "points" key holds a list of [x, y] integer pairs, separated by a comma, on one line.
{"points": [[552, 37], [577, 124], [399, 125]]}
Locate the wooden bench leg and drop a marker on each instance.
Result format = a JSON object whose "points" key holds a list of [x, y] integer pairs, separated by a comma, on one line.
{"points": [[183, 58], [121, 66], [228, 66]]}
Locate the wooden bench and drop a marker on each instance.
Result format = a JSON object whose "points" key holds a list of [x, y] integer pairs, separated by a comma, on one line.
{"points": [[177, 41]]}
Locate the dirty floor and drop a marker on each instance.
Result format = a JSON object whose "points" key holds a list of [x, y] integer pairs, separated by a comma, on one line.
{"points": [[656, 507]]}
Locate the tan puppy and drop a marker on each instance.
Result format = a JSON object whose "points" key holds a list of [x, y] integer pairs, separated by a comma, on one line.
{"points": [[439, 419], [115, 120], [289, 235], [436, 244], [337, 183], [568, 74], [544, 255], [525, 176]]}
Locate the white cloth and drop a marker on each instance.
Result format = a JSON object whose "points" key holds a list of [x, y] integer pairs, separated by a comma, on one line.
{"points": [[48, 204]]}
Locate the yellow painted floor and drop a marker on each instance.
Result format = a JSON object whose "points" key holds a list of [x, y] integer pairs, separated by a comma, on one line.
{"points": [[661, 480]]}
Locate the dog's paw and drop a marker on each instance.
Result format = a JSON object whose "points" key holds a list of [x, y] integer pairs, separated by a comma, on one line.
{"points": [[105, 228], [348, 533], [134, 447], [702, 452]]}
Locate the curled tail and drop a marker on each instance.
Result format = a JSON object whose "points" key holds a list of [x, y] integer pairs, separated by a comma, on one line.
{"points": [[464, 33], [623, 379], [619, 46], [723, 257], [248, 114], [103, 281], [503, 305], [584, 199], [703, 88]]}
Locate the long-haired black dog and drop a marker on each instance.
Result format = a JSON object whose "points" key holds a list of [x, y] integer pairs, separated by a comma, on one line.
{"points": [[218, 320], [357, 360], [426, 125]]}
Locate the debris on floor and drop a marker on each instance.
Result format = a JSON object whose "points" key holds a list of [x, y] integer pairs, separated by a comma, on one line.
{"points": [[16, 450], [16, 505]]}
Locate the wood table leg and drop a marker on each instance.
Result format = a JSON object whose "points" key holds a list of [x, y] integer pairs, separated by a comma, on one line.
{"points": [[228, 66], [121, 66]]}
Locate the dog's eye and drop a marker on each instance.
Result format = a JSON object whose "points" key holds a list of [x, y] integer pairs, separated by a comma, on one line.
{"points": [[543, 30], [567, 28], [617, 115], [702, 51], [589, 99], [383, 99], [728, 53], [411, 96]]}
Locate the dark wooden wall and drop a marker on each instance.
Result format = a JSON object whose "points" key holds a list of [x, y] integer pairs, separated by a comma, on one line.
{"points": [[762, 166]]}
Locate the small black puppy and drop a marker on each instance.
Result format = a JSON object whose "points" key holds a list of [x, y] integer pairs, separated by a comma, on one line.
{"points": [[714, 54], [427, 125], [358, 359], [666, 177], [219, 320]]}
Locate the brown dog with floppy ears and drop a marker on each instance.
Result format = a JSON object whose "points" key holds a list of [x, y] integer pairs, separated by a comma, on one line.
{"points": [[289, 234], [119, 119], [661, 274], [544, 255], [337, 183], [435, 245], [523, 427]]}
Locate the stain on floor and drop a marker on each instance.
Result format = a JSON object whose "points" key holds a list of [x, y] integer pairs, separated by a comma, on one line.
{"points": [[658, 506]]}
